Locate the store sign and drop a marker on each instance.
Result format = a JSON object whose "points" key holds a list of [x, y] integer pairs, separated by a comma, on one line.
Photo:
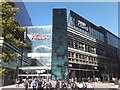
{"points": [[76, 20], [35, 36], [82, 25]]}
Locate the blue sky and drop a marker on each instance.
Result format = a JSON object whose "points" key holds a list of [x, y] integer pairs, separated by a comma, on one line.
{"points": [[99, 13]]}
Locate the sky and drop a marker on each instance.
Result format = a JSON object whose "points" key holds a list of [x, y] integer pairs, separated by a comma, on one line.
{"points": [[99, 13]]}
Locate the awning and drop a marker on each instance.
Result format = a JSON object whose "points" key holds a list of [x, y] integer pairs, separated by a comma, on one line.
{"points": [[36, 68]]}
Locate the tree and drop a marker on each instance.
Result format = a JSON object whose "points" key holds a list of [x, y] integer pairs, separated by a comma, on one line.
{"points": [[9, 28]]}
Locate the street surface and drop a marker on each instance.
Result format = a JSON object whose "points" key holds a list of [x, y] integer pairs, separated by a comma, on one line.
{"points": [[98, 86]]}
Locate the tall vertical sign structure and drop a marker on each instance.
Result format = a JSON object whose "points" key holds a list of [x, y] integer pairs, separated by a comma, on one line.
{"points": [[59, 45]]}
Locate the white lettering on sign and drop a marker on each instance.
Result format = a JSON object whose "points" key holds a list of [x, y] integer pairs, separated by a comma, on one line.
{"points": [[82, 25], [34, 36]]}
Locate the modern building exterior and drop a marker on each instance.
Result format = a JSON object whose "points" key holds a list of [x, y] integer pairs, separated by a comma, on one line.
{"points": [[92, 50], [24, 20], [80, 49], [41, 39], [12, 67], [23, 16], [119, 31]]}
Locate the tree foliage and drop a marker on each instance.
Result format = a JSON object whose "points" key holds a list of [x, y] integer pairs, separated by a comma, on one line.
{"points": [[9, 28], [2, 71]]}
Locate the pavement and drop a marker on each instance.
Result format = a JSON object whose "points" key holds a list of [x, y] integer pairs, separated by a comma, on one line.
{"points": [[97, 86]]}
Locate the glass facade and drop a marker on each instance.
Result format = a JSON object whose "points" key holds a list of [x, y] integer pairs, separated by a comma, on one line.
{"points": [[41, 38], [23, 16], [82, 59], [78, 23], [96, 34], [91, 46], [81, 46]]}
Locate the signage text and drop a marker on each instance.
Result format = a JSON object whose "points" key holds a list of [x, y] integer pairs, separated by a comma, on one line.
{"points": [[81, 24], [34, 36]]}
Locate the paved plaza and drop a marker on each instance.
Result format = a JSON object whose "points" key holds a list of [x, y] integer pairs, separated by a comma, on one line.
{"points": [[98, 86]]}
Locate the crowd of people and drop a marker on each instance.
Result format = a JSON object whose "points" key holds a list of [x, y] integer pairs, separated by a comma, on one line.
{"points": [[41, 84], [38, 84], [116, 81], [35, 83]]}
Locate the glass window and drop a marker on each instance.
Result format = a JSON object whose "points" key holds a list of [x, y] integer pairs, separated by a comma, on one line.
{"points": [[85, 57], [95, 34], [87, 48], [69, 43], [76, 45], [93, 50], [102, 37], [81, 57], [72, 54], [73, 44], [77, 55], [92, 32], [81, 46], [68, 54]]}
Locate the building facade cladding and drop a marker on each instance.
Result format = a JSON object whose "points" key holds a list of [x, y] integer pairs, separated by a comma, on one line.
{"points": [[59, 46], [41, 38], [119, 33], [23, 16], [90, 50], [12, 68], [24, 20]]}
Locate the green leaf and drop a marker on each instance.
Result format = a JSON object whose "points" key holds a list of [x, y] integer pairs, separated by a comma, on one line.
{"points": [[10, 31]]}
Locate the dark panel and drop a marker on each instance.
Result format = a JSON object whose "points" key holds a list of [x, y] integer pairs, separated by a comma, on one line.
{"points": [[59, 46]]}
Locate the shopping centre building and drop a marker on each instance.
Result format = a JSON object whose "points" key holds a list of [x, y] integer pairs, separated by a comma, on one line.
{"points": [[90, 50], [72, 49], [11, 70]]}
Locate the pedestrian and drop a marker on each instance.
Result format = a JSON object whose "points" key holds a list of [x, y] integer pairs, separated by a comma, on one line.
{"points": [[93, 80], [17, 82], [84, 83], [39, 86], [26, 83], [69, 86], [89, 83], [57, 86], [48, 85], [34, 84], [113, 79], [116, 83], [64, 86], [119, 82]]}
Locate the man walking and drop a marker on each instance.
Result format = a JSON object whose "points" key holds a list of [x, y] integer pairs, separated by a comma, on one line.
{"points": [[34, 83], [26, 84]]}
